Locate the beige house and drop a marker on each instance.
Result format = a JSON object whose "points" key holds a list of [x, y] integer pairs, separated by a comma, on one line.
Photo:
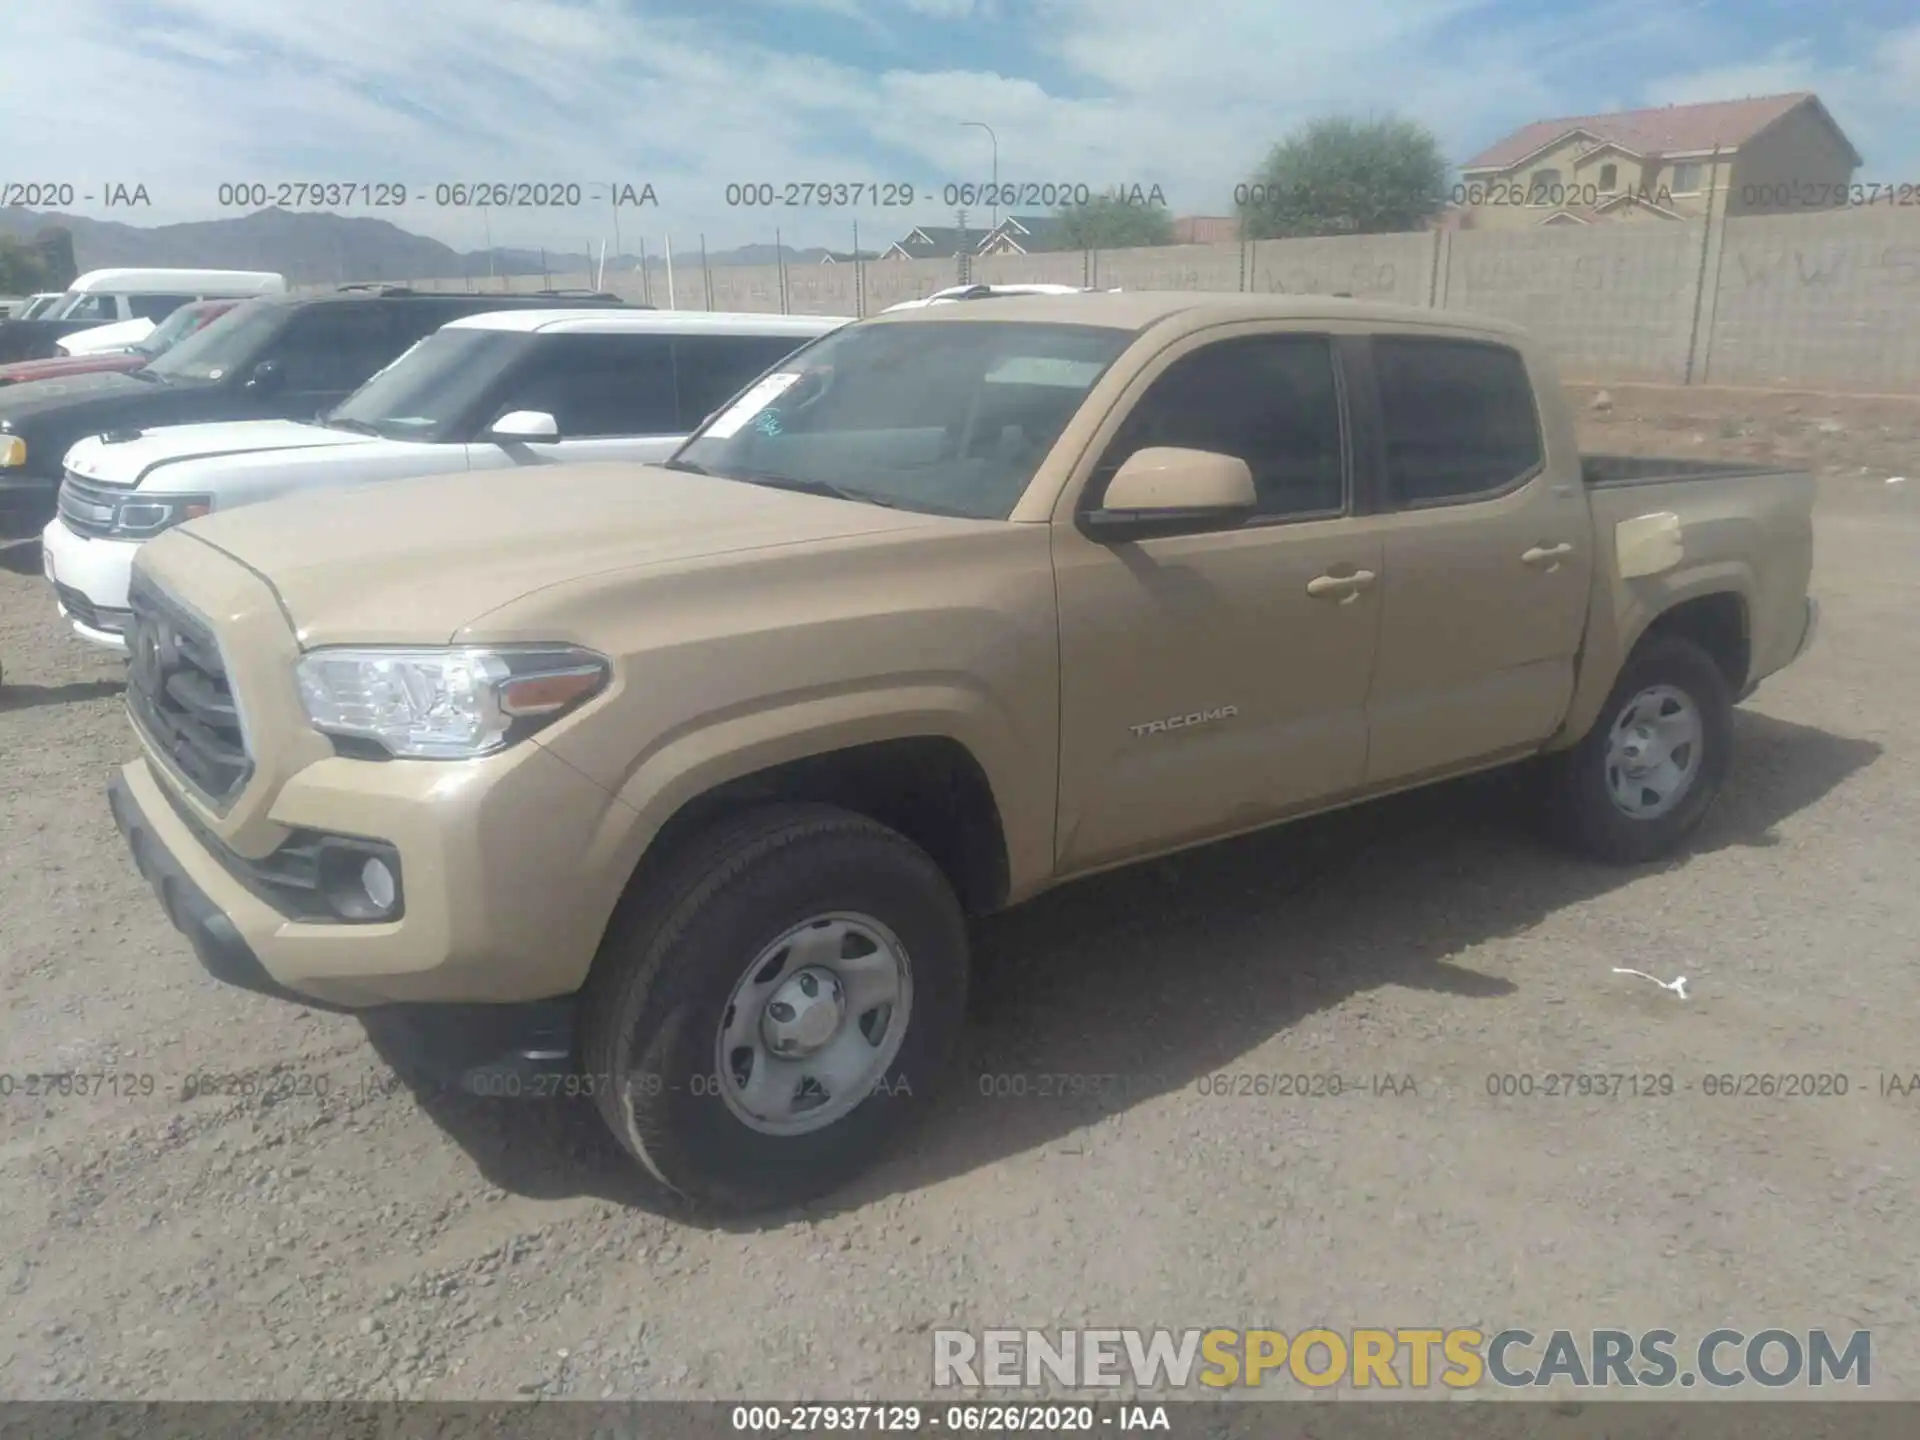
{"points": [[1776, 154]]}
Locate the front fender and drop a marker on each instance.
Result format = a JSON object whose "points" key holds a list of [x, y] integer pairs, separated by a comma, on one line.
{"points": [[704, 754]]}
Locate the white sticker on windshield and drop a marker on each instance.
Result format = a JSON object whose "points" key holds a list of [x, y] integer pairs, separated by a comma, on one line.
{"points": [[749, 405]]}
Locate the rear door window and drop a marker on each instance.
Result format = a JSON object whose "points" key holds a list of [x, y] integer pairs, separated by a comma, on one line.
{"points": [[331, 348], [598, 385], [1458, 418]]}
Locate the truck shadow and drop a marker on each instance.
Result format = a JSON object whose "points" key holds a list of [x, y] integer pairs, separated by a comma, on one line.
{"points": [[1145, 981]]}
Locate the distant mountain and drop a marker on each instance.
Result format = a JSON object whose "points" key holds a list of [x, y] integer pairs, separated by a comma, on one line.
{"points": [[318, 247]]}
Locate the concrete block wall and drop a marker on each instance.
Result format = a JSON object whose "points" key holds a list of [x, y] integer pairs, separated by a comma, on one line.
{"points": [[1827, 300], [1834, 298], [1395, 268], [1612, 302]]}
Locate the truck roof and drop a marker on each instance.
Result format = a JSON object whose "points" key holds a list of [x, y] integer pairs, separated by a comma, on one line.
{"points": [[1137, 309], [628, 322]]}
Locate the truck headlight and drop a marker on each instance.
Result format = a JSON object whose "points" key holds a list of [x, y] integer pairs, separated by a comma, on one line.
{"points": [[141, 516], [445, 703], [13, 452]]}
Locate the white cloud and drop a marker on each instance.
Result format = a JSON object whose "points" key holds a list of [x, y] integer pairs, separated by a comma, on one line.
{"points": [[187, 94]]}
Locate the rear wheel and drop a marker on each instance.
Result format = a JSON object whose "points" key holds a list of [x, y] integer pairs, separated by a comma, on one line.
{"points": [[1643, 778], [775, 1006]]}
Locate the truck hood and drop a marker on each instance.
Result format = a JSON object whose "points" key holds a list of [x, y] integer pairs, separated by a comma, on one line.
{"points": [[21, 371], [414, 561], [125, 462], [37, 397]]}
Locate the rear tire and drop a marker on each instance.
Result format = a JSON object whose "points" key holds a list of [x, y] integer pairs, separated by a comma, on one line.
{"points": [[1642, 779], [763, 953]]}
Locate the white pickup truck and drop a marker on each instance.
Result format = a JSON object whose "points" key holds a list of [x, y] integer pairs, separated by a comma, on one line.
{"points": [[486, 392]]}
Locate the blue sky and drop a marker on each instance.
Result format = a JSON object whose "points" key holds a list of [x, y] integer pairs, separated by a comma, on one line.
{"points": [[689, 95]]}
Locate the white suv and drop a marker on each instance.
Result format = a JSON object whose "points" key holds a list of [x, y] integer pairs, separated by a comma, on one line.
{"points": [[485, 392]]}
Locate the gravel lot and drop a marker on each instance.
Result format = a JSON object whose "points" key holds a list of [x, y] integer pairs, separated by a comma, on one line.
{"points": [[375, 1242]]}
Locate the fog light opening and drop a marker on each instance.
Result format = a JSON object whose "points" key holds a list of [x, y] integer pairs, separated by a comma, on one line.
{"points": [[377, 880], [360, 882]]}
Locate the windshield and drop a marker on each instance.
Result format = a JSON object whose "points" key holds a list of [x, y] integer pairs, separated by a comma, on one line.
{"points": [[428, 392], [223, 345], [38, 307], [950, 418], [170, 331]]}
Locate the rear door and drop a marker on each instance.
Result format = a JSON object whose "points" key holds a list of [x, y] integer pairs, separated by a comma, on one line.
{"points": [[1488, 556]]}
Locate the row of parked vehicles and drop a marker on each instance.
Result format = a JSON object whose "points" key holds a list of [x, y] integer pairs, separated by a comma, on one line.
{"points": [[681, 770]]}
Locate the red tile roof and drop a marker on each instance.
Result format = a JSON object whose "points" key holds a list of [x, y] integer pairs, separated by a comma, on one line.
{"points": [[1667, 130]]}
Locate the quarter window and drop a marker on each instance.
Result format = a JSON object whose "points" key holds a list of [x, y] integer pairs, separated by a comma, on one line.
{"points": [[1457, 419]]}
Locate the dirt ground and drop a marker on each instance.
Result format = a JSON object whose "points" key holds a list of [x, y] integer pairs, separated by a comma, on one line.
{"points": [[373, 1242]]}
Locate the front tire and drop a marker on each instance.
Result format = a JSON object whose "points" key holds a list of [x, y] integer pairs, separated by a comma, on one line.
{"points": [[1642, 779], [773, 1008]]}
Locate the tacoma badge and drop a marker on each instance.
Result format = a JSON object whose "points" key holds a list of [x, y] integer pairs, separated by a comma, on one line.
{"points": [[1183, 722]]}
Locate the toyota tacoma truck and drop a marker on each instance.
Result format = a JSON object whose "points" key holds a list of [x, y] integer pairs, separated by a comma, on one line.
{"points": [[687, 778]]}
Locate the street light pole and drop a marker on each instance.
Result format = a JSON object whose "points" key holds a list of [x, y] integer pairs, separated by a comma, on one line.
{"points": [[994, 140]]}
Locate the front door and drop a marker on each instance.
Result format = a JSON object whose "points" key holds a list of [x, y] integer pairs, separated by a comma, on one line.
{"points": [[1208, 685], [1488, 561]]}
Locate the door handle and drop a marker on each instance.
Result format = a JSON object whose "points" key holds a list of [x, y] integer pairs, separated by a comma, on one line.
{"points": [[1546, 557], [1343, 588]]}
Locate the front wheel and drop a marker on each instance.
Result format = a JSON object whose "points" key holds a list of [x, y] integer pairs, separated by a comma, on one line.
{"points": [[1643, 778], [776, 1005]]}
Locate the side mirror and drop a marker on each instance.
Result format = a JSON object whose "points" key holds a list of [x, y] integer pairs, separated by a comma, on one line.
{"points": [[529, 425], [1166, 490], [266, 378]]}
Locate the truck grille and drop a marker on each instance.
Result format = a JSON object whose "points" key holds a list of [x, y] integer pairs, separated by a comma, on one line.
{"points": [[87, 506], [180, 697]]}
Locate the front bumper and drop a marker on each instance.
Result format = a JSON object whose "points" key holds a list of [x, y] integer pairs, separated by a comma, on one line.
{"points": [[222, 950], [498, 860], [488, 1049], [89, 578]]}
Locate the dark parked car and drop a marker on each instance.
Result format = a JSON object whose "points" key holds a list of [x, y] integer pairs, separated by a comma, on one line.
{"points": [[284, 356]]}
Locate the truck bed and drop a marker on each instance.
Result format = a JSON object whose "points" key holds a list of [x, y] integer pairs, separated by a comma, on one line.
{"points": [[1608, 471]]}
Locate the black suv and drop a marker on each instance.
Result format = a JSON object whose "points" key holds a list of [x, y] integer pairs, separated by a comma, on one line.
{"points": [[281, 356]]}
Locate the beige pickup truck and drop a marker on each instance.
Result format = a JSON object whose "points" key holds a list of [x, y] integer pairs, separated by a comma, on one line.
{"points": [[687, 777]]}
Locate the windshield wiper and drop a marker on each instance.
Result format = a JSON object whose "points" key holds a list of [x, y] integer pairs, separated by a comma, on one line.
{"points": [[358, 427], [686, 465], [817, 487]]}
